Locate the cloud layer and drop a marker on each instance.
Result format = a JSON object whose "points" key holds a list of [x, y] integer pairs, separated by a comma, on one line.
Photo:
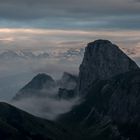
{"points": [[47, 107], [74, 8], [74, 14]]}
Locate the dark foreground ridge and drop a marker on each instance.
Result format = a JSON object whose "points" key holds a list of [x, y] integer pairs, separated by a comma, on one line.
{"points": [[16, 124], [109, 87]]}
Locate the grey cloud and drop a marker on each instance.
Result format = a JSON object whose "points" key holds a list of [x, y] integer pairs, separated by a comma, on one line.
{"points": [[46, 107], [137, 0], [123, 22], [34, 9], [66, 14]]}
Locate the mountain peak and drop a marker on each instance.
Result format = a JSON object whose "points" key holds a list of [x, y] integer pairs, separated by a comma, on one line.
{"points": [[68, 81], [103, 60], [42, 76], [67, 75], [98, 42], [100, 46], [40, 82]]}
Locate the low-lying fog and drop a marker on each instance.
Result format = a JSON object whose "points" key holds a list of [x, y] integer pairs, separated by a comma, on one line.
{"points": [[18, 68]]}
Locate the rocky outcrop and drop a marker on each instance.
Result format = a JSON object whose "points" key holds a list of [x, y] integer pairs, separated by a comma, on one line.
{"points": [[44, 85], [38, 86], [66, 93], [116, 101], [102, 60], [67, 85], [110, 83], [68, 81]]}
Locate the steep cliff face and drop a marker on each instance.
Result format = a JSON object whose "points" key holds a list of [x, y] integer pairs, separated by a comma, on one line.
{"points": [[114, 102], [110, 83], [102, 60], [68, 81]]}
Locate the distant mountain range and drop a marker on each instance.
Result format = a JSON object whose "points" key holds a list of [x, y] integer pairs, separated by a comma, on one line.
{"points": [[11, 54], [108, 87]]}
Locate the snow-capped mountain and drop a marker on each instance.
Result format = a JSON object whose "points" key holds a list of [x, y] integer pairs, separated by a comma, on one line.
{"points": [[60, 53]]}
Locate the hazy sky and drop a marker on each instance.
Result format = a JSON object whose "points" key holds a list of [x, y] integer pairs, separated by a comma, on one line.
{"points": [[39, 24], [44, 25], [74, 14]]}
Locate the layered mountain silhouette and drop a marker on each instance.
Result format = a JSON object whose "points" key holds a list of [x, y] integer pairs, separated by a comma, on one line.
{"points": [[109, 89], [38, 86], [68, 81], [43, 84], [67, 85]]}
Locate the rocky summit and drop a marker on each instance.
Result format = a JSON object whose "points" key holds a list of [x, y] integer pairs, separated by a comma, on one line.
{"points": [[40, 83], [68, 81], [102, 60], [110, 82]]}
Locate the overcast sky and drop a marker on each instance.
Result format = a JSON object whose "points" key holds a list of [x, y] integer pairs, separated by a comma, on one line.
{"points": [[40, 24], [74, 14]]}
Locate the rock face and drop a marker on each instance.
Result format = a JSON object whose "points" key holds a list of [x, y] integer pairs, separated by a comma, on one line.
{"points": [[66, 93], [102, 60], [110, 83], [40, 81], [67, 85], [68, 81], [40, 84], [114, 103]]}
